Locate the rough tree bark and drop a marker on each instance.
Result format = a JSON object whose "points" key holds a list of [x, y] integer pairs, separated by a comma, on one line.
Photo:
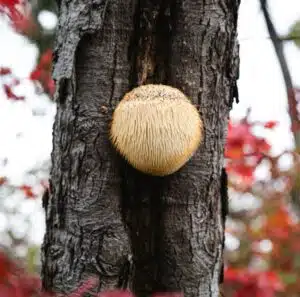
{"points": [[104, 218]]}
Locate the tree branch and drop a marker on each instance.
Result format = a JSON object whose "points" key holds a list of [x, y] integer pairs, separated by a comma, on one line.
{"points": [[292, 103]]}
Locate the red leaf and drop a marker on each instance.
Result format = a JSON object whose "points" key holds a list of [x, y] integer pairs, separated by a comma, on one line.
{"points": [[36, 74], [270, 279], [4, 266], [10, 94], [27, 191], [250, 290], [270, 124], [50, 86], [46, 59], [3, 180], [5, 71], [21, 19], [42, 73], [23, 24], [15, 282], [244, 151], [236, 275], [9, 3]]}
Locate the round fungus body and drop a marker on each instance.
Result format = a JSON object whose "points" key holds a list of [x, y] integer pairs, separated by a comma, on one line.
{"points": [[156, 129]]}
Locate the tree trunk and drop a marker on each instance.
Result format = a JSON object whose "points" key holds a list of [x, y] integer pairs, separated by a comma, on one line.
{"points": [[105, 219]]}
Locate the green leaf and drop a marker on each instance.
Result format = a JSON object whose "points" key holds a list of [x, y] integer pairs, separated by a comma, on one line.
{"points": [[297, 261], [289, 278], [294, 34], [31, 258]]}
